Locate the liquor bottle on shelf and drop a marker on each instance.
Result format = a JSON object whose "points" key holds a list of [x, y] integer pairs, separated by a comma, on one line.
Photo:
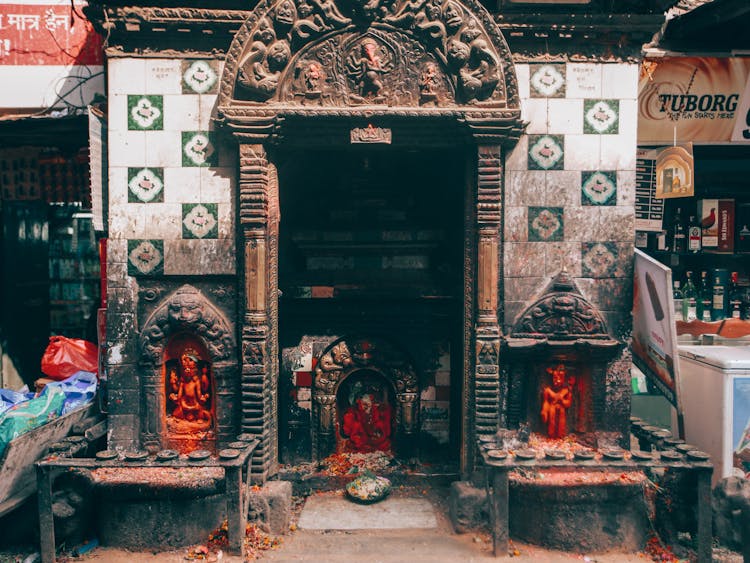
{"points": [[705, 297], [735, 298], [694, 234], [677, 298], [689, 299], [720, 278], [678, 234]]}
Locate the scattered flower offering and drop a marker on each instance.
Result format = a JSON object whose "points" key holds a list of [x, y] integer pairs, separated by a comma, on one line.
{"points": [[369, 488]]}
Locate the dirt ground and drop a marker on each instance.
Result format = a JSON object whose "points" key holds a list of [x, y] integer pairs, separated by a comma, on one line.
{"points": [[438, 545]]}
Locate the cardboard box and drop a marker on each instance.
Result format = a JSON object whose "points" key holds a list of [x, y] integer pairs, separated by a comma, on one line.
{"points": [[726, 225], [742, 223], [707, 211]]}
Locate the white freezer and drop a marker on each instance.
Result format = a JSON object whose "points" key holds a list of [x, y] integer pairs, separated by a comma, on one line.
{"points": [[715, 394]]}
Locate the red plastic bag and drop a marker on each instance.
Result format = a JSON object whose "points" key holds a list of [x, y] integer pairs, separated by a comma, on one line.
{"points": [[66, 356]]}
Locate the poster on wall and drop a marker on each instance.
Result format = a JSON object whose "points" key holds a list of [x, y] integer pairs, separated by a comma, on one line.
{"points": [[674, 171], [704, 99], [654, 344]]}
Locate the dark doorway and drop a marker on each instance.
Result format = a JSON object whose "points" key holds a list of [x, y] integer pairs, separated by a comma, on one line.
{"points": [[372, 243]]}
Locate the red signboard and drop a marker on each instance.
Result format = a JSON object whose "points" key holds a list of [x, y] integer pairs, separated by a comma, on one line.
{"points": [[47, 34]]}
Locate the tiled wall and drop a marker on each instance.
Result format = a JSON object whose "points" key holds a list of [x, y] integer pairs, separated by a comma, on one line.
{"points": [[570, 186], [170, 187], [170, 205]]}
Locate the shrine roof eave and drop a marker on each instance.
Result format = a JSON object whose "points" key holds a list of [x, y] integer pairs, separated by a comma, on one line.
{"points": [[261, 123], [522, 342], [550, 343]]}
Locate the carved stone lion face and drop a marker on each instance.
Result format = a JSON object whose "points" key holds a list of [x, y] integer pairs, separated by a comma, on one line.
{"points": [[452, 15], [458, 52], [278, 56], [286, 13], [185, 309]]}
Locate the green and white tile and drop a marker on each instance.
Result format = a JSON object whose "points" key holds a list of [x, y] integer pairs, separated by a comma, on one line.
{"points": [[547, 80], [601, 117], [546, 152], [598, 259], [200, 220], [599, 187], [145, 257], [200, 77], [198, 149], [145, 113], [546, 224], [145, 185]]}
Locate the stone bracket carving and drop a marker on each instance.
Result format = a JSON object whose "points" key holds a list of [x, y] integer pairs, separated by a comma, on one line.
{"points": [[186, 310]]}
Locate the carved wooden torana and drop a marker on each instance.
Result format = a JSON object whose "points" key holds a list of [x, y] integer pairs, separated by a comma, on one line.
{"points": [[374, 57], [405, 72]]}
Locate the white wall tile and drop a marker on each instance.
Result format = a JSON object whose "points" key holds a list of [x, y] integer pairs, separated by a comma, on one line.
{"points": [[565, 117], [618, 152], [207, 103], [626, 187], [199, 256], [516, 224], [582, 152], [226, 221], [534, 110], [563, 188], [217, 184], [181, 112], [126, 76], [127, 148], [117, 185], [522, 74], [628, 119], [163, 148], [117, 112], [155, 220], [583, 80], [525, 187], [182, 185], [519, 157], [163, 76], [620, 81]]}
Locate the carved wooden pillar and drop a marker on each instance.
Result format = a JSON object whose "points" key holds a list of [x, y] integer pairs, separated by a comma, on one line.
{"points": [[486, 325], [258, 216]]}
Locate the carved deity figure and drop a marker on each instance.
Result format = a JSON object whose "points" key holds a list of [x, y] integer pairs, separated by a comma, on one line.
{"points": [[190, 391], [428, 83], [261, 71], [556, 400], [367, 424], [367, 68]]}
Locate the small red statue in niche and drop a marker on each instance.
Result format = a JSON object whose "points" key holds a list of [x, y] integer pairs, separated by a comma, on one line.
{"points": [[556, 400], [190, 391], [367, 423]]}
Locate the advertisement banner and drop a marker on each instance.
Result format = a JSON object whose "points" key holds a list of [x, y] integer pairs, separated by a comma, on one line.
{"points": [[694, 98], [48, 33], [654, 331], [50, 54]]}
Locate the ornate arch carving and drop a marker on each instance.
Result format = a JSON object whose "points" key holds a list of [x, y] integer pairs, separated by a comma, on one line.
{"points": [[342, 58], [562, 313], [186, 310]]}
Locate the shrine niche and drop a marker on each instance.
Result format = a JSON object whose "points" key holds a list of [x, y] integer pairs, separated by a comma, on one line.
{"points": [[187, 350], [407, 53], [556, 362], [365, 398], [189, 387]]}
